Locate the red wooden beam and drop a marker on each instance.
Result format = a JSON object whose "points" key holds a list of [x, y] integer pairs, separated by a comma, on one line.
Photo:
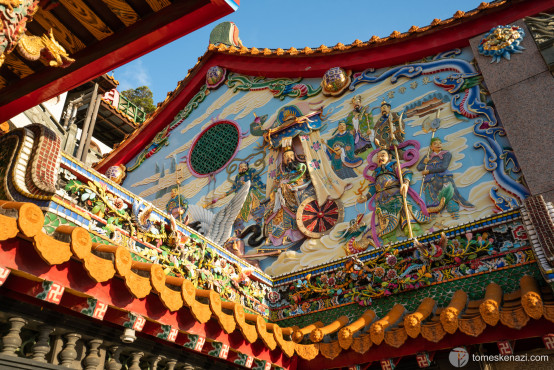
{"points": [[391, 53]]}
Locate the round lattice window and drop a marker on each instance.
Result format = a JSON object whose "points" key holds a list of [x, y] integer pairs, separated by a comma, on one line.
{"points": [[214, 148]]}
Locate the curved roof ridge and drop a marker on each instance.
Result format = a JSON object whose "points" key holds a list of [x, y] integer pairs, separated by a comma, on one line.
{"points": [[307, 50], [160, 117], [374, 39]]}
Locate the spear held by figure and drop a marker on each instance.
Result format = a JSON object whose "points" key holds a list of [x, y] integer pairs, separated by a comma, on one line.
{"points": [[403, 187]]}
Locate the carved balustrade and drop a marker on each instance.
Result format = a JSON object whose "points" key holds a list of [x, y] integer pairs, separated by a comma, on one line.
{"points": [[34, 344]]}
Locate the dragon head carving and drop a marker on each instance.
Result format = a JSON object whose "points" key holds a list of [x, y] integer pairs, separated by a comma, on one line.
{"points": [[45, 46], [54, 53]]}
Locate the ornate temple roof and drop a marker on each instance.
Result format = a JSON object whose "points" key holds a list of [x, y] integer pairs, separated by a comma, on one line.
{"points": [[157, 297], [376, 52], [104, 267]]}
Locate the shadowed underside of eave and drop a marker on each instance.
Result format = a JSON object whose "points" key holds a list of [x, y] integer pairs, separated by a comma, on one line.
{"points": [[100, 36]]}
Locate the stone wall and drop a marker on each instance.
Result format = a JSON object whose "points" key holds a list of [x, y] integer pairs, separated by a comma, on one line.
{"points": [[523, 91]]}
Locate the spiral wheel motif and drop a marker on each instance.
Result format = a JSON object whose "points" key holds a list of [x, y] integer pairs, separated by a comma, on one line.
{"points": [[315, 220]]}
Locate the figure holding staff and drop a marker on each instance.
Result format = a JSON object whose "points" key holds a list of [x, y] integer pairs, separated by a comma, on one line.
{"points": [[389, 192]]}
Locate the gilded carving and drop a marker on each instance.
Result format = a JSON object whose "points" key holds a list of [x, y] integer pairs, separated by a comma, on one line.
{"points": [[307, 351], [33, 47], [287, 346], [449, 316], [433, 332], [515, 319], [14, 15], [335, 80], [412, 322], [396, 337], [474, 326], [10, 4], [362, 343], [502, 41], [330, 350], [530, 297], [377, 330], [489, 308]]}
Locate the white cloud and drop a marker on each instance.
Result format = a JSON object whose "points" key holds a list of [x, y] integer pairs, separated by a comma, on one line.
{"points": [[133, 75]]}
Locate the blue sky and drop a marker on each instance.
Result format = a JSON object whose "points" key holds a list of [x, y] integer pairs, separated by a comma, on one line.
{"points": [[286, 23]]}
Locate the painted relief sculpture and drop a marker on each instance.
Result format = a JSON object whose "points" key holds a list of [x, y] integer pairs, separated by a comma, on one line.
{"points": [[335, 81], [360, 123], [218, 227], [389, 128], [295, 177], [279, 87], [161, 139], [303, 151], [340, 149], [396, 205], [177, 205], [142, 217], [434, 167], [252, 209], [14, 15], [116, 173], [291, 186], [463, 85], [236, 246]]}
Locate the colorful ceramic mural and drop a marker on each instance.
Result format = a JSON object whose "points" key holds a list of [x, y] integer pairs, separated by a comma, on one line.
{"points": [[321, 187]]}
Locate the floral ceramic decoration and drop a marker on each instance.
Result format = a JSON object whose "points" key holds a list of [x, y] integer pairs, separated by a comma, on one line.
{"points": [[501, 42], [215, 76]]}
